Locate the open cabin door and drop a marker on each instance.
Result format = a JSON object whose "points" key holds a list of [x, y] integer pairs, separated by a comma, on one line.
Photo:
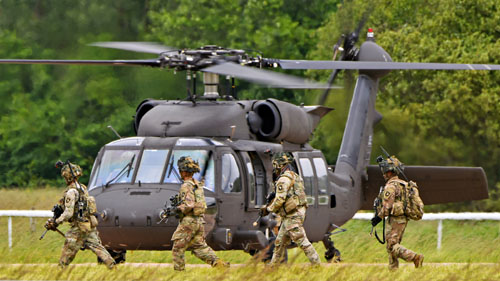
{"points": [[230, 189]]}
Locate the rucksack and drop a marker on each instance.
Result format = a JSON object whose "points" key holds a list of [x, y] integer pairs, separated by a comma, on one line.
{"points": [[413, 204]]}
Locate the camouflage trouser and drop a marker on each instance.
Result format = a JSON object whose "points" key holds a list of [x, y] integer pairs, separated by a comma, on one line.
{"points": [[393, 236], [291, 229], [77, 239], [190, 234]]}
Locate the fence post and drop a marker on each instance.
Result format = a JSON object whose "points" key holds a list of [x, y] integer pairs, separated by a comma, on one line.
{"points": [[9, 227], [32, 222], [440, 234]]}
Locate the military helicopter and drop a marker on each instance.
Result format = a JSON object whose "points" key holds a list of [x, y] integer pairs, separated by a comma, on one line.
{"points": [[233, 141]]}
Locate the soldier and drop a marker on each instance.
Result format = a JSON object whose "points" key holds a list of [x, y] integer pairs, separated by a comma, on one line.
{"points": [[291, 204], [392, 207], [80, 211], [190, 232]]}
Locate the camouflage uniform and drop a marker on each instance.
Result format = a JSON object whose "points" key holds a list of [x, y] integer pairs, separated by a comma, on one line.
{"points": [[83, 233], [392, 207], [290, 203], [190, 232]]}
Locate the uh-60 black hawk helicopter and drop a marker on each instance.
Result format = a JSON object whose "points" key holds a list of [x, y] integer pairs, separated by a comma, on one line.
{"points": [[233, 140]]}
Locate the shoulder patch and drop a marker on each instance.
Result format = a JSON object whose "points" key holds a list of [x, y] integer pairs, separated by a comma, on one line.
{"points": [[387, 194]]}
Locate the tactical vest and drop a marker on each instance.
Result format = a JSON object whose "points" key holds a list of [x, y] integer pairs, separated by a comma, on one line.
{"points": [[200, 205], [85, 207], [296, 196]]}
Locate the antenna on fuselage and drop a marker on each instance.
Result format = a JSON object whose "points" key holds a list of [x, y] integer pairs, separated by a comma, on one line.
{"points": [[114, 131]]}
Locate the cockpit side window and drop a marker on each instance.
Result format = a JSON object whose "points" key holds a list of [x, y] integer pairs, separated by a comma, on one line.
{"points": [[231, 178], [308, 176], [117, 166], [322, 174], [204, 159], [151, 166]]}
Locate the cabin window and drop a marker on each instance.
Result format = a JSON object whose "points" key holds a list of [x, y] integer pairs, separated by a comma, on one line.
{"points": [[231, 179], [322, 175], [204, 159], [117, 166], [251, 182], [151, 166], [308, 176]]}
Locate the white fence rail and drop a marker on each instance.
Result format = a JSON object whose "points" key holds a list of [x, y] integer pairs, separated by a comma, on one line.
{"points": [[359, 216], [440, 217]]}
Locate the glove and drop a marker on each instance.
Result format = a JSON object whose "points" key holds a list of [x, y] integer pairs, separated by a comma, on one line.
{"points": [[263, 211], [51, 224], [376, 220]]}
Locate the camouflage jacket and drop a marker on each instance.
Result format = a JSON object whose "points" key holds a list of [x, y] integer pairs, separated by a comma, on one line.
{"points": [[192, 198], [392, 203], [287, 199]]}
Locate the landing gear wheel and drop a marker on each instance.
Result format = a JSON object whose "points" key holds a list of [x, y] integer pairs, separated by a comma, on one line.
{"points": [[333, 255], [270, 251], [117, 255]]}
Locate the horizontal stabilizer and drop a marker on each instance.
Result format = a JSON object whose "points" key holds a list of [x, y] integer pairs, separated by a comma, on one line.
{"points": [[436, 184]]}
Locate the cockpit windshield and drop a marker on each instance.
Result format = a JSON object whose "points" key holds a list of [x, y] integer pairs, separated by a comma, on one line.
{"points": [[204, 159], [117, 166]]}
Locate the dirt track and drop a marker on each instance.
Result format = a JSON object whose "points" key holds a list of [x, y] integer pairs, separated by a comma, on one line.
{"points": [[239, 265]]}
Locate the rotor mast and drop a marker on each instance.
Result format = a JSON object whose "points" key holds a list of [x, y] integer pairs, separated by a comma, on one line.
{"points": [[211, 82]]}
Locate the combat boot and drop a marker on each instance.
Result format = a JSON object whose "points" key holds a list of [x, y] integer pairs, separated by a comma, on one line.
{"points": [[418, 260], [220, 264]]}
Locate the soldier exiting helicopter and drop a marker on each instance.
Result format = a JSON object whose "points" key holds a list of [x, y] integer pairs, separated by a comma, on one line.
{"points": [[291, 204], [190, 232], [394, 207], [79, 209]]}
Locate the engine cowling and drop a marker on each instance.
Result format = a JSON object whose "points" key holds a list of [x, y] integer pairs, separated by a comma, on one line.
{"points": [[282, 121]]}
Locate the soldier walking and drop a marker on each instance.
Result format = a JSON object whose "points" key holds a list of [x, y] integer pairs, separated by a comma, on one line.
{"points": [[190, 231], [80, 210], [393, 207], [291, 204]]}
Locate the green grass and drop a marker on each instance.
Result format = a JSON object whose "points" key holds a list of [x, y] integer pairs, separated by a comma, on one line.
{"points": [[463, 242]]}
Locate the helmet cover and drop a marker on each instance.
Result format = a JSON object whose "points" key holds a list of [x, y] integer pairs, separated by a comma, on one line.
{"points": [[187, 164], [66, 172], [390, 164], [281, 159]]}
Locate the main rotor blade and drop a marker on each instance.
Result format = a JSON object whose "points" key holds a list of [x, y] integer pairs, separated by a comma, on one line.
{"points": [[309, 64], [150, 62], [140, 47], [270, 78]]}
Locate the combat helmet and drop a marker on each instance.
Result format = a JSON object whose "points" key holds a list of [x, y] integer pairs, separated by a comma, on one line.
{"points": [[187, 164], [391, 164], [281, 159], [66, 172]]}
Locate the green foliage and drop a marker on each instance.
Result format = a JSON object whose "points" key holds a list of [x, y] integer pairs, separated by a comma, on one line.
{"points": [[61, 112]]}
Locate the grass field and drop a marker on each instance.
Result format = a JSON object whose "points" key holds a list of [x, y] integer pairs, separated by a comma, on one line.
{"points": [[475, 245]]}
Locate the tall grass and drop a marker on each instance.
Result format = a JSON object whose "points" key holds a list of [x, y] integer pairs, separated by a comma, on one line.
{"points": [[364, 258]]}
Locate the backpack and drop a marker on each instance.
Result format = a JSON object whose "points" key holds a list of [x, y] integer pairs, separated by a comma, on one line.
{"points": [[413, 204]]}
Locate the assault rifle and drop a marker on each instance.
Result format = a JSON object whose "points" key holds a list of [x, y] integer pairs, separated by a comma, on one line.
{"points": [[376, 204], [57, 210], [269, 198], [171, 210]]}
